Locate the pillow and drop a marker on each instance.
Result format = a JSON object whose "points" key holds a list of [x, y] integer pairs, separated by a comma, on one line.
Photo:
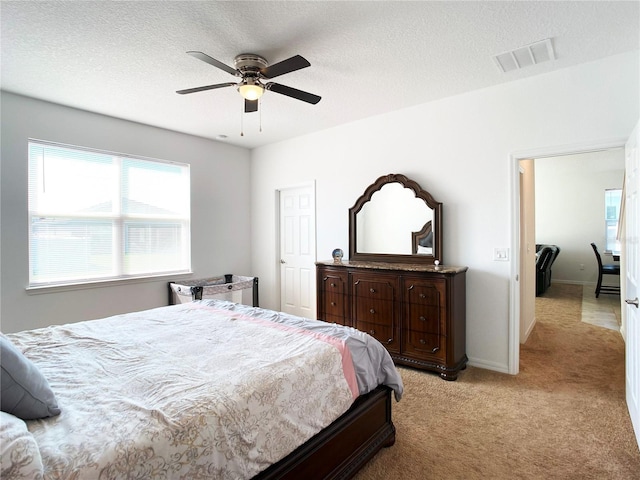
{"points": [[19, 453], [25, 392]]}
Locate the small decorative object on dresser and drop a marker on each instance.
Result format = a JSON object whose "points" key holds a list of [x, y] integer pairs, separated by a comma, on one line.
{"points": [[337, 255], [410, 302]]}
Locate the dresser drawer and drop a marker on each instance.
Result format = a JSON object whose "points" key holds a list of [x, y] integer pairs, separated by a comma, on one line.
{"points": [[373, 310], [380, 289], [333, 283], [419, 291], [423, 345], [425, 318], [339, 319], [334, 305], [385, 334], [332, 297], [425, 305]]}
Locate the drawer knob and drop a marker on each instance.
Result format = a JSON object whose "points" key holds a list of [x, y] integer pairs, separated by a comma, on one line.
{"points": [[422, 295], [390, 340], [422, 341], [422, 319], [333, 304], [333, 284], [372, 290], [372, 311], [372, 332]]}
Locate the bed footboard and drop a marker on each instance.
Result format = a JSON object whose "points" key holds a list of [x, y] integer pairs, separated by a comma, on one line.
{"points": [[341, 449]]}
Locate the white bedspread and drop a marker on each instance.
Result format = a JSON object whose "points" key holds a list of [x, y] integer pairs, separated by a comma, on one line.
{"points": [[201, 390]]}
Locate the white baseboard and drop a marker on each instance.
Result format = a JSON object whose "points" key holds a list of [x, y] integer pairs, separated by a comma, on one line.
{"points": [[573, 282], [496, 367], [529, 330]]}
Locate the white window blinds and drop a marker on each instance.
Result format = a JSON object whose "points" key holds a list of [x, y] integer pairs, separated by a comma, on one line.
{"points": [[612, 200], [96, 215]]}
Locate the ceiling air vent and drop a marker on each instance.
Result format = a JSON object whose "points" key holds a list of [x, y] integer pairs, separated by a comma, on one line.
{"points": [[528, 55]]}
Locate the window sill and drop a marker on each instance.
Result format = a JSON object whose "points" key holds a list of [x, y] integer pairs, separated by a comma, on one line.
{"points": [[64, 287]]}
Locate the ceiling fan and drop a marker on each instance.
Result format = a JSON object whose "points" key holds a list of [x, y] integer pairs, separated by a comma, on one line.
{"points": [[252, 70]]}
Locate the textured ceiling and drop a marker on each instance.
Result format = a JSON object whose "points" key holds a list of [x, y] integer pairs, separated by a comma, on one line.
{"points": [[127, 59]]}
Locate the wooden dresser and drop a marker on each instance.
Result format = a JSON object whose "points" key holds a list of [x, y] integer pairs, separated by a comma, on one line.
{"points": [[417, 311]]}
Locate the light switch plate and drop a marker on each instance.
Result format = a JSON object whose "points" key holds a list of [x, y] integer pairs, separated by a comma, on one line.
{"points": [[501, 254]]}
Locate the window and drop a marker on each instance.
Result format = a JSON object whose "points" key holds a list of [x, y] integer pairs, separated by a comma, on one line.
{"points": [[99, 216], [612, 200]]}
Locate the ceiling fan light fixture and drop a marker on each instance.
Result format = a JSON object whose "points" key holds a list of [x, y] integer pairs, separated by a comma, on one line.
{"points": [[250, 90]]}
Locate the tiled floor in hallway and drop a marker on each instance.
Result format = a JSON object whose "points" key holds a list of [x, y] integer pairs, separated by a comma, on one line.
{"points": [[603, 311]]}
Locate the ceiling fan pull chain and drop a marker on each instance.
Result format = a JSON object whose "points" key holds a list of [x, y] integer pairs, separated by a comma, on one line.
{"points": [[260, 113], [242, 123]]}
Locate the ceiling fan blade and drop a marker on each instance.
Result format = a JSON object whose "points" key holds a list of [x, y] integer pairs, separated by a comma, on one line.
{"points": [[250, 106], [293, 93], [212, 61], [289, 65], [207, 87]]}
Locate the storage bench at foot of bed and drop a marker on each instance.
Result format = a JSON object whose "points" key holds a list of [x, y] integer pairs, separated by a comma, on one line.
{"points": [[341, 449]]}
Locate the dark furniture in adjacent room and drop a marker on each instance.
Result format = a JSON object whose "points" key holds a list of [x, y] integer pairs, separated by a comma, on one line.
{"points": [[606, 269], [545, 256]]}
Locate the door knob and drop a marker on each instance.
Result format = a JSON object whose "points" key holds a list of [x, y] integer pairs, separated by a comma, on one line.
{"points": [[632, 302], [282, 261]]}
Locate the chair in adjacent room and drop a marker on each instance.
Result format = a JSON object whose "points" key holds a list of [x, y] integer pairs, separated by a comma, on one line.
{"points": [[606, 269], [545, 256]]}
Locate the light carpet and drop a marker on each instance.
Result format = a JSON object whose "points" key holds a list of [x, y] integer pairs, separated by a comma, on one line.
{"points": [[563, 416]]}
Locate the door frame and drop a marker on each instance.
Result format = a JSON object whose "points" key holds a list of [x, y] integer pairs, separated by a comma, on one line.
{"points": [[632, 389], [514, 283], [308, 184]]}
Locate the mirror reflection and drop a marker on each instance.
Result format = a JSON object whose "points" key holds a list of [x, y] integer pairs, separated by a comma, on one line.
{"points": [[394, 221], [423, 240]]}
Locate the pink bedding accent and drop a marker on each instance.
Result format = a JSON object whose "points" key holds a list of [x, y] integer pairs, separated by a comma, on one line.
{"points": [[347, 361]]}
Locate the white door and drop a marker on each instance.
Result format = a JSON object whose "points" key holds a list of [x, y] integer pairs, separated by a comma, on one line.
{"points": [[298, 251], [632, 251]]}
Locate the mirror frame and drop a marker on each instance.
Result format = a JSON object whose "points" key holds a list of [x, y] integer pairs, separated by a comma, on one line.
{"points": [[387, 257]]}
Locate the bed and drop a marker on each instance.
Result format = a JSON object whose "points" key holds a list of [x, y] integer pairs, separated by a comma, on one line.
{"points": [[422, 241], [208, 389]]}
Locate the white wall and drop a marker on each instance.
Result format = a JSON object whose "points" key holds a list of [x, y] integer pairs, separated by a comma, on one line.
{"points": [[220, 209], [459, 150], [570, 209]]}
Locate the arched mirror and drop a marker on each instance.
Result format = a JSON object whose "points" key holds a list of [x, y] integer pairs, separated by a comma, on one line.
{"points": [[395, 220]]}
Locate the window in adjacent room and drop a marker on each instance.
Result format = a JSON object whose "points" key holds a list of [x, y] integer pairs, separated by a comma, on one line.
{"points": [[612, 199], [96, 215]]}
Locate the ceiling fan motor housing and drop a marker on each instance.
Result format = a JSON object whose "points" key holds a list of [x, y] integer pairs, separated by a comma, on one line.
{"points": [[250, 63]]}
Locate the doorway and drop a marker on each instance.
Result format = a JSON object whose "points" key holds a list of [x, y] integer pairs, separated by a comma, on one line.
{"points": [[297, 250], [524, 302]]}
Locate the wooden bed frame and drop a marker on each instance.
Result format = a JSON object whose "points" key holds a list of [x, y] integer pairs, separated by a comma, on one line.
{"points": [[341, 449]]}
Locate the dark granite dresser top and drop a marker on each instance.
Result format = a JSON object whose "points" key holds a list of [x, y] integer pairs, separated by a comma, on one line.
{"points": [[406, 267]]}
